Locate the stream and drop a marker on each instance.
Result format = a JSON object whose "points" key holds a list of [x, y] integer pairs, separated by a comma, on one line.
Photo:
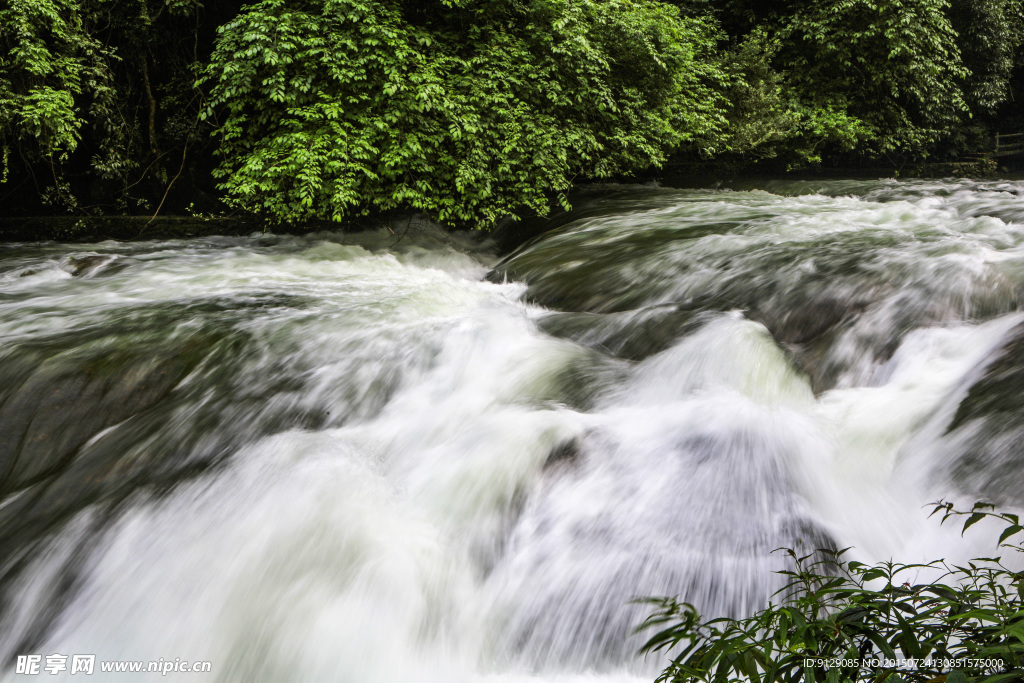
{"points": [[397, 457]]}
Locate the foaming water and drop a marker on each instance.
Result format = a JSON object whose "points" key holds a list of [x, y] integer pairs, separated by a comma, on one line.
{"points": [[363, 458]]}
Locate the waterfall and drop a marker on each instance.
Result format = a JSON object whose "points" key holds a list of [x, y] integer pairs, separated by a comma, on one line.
{"points": [[369, 459]]}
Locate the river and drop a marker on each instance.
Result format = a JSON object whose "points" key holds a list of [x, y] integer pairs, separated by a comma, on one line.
{"points": [[389, 457]]}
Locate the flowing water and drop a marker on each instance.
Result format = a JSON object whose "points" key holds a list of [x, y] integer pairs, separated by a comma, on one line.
{"points": [[374, 458]]}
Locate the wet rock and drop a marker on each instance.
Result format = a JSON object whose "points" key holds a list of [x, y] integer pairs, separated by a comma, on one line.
{"points": [[588, 202], [580, 383], [840, 303], [566, 271], [87, 265], [59, 406], [92, 421], [96, 417], [804, 321], [807, 325], [987, 430], [29, 272], [563, 454], [997, 396], [632, 335]]}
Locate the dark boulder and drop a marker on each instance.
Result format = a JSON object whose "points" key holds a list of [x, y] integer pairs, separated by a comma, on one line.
{"points": [[986, 434], [53, 409]]}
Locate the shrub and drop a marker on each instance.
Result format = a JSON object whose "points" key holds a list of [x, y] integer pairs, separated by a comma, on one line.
{"points": [[841, 621], [466, 110]]}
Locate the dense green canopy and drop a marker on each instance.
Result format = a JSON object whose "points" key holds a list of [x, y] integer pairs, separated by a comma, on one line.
{"points": [[472, 110], [469, 112]]}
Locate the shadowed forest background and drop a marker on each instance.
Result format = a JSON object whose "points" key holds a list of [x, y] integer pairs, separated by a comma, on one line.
{"points": [[473, 110]]}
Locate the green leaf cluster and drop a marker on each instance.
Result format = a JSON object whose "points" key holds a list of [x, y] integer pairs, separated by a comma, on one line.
{"points": [[769, 118], [467, 111], [840, 621], [891, 67], [473, 110], [47, 60], [88, 90], [990, 34]]}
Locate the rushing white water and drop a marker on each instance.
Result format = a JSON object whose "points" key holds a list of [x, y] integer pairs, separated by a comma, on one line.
{"points": [[334, 458]]}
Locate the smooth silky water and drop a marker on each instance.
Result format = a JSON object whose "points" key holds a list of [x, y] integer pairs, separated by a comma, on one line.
{"points": [[382, 458]]}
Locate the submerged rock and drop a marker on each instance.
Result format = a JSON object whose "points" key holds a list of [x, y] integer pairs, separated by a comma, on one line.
{"points": [[987, 430], [633, 335], [840, 301], [156, 397], [997, 395], [565, 453], [83, 414], [87, 265], [57, 409]]}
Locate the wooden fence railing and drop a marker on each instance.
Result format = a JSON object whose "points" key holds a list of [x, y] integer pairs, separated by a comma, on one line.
{"points": [[1008, 144]]}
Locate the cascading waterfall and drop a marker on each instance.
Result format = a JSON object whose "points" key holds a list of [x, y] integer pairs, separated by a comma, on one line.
{"points": [[338, 457]]}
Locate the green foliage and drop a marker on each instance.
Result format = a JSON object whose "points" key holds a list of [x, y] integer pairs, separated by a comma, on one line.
{"points": [[892, 65], [472, 110], [990, 33], [766, 118], [759, 114], [150, 105], [843, 621], [90, 92], [466, 110], [46, 60]]}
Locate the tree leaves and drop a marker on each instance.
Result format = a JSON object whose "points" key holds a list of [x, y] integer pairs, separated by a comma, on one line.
{"points": [[832, 626], [892, 64], [45, 59], [455, 116]]}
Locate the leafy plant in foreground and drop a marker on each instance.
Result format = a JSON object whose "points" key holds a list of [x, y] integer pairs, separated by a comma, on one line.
{"points": [[840, 621]]}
